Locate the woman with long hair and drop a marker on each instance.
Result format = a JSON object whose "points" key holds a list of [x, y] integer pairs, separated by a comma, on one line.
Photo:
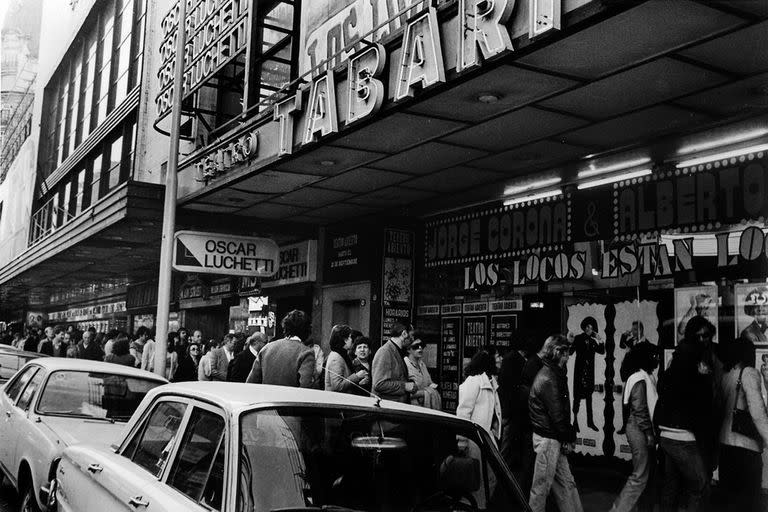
{"points": [[741, 462], [338, 365], [425, 393], [479, 393], [121, 351]]}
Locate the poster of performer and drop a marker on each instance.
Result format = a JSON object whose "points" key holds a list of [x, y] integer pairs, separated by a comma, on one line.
{"points": [[695, 301], [751, 312], [586, 375], [636, 323]]}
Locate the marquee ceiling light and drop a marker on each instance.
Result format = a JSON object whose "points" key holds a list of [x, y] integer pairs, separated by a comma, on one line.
{"points": [[722, 156], [723, 141], [517, 189], [488, 97], [614, 179], [594, 171], [533, 197], [327, 163]]}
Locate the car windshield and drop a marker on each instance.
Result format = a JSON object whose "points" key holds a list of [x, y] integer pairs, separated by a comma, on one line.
{"points": [[347, 459], [93, 395]]}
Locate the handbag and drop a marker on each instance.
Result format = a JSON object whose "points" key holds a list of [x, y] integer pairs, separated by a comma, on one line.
{"points": [[742, 422]]}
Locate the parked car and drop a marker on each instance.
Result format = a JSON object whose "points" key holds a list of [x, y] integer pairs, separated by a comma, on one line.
{"points": [[12, 359], [225, 447], [52, 403]]}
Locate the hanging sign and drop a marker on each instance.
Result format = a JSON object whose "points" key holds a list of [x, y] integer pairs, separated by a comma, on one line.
{"points": [[298, 264], [214, 253]]}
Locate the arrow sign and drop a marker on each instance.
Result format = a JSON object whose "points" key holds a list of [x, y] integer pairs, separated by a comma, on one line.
{"points": [[214, 253]]}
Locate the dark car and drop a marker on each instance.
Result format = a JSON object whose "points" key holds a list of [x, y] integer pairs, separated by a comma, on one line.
{"points": [[12, 359]]}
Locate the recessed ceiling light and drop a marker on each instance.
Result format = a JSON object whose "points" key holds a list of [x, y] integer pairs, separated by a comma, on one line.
{"points": [[327, 163], [488, 97]]}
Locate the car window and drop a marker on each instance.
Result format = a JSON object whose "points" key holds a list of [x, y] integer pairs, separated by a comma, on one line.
{"points": [[93, 395], [214, 488], [373, 461], [29, 391], [197, 453], [14, 388], [153, 443]]}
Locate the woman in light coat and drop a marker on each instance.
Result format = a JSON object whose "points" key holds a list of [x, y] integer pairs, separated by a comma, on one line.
{"points": [[426, 393], [338, 365], [479, 393]]}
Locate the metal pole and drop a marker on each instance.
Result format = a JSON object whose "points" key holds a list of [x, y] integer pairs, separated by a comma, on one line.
{"points": [[169, 207]]}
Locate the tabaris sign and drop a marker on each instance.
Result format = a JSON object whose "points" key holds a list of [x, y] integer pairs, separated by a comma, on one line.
{"points": [[214, 253]]}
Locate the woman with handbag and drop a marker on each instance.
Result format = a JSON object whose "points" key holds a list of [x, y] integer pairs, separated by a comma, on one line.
{"points": [[744, 430]]}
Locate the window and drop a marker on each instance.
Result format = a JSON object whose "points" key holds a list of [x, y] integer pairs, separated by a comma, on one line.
{"points": [[197, 456], [94, 77], [29, 391], [213, 494], [153, 442], [80, 191], [14, 388], [115, 156]]}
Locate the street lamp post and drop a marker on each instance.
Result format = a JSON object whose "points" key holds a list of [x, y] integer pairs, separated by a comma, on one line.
{"points": [[169, 207]]}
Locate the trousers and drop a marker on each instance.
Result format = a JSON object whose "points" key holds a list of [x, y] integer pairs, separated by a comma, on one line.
{"points": [[551, 472]]}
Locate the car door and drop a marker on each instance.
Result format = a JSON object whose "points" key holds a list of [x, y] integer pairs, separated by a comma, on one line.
{"points": [[8, 427], [126, 480], [20, 426]]}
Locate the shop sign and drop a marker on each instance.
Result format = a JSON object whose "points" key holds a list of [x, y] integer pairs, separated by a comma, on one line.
{"points": [[193, 288], [503, 329], [215, 253], [348, 256], [702, 197], [475, 307], [432, 310], [398, 277], [250, 286], [497, 232], [450, 361], [221, 287], [506, 305], [87, 312], [141, 296], [216, 32], [241, 149], [298, 264], [475, 331], [450, 309]]}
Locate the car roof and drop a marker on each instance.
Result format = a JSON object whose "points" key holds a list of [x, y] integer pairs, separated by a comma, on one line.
{"points": [[85, 365], [234, 396]]}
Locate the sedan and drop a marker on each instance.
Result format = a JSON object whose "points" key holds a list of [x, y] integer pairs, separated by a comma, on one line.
{"points": [[228, 447], [52, 403]]}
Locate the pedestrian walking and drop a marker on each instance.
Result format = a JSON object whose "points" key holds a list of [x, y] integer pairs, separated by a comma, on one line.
{"points": [[426, 393], [744, 431], [514, 407], [639, 400], [479, 393], [241, 365], [287, 362], [390, 375], [361, 348], [339, 376], [682, 414], [87, 348], [121, 352], [553, 434]]}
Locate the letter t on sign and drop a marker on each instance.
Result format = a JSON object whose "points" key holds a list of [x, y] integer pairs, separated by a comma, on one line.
{"points": [[482, 30], [283, 114]]}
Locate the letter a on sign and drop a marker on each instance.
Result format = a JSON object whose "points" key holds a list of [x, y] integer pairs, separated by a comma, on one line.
{"points": [[482, 30], [422, 63], [321, 118]]}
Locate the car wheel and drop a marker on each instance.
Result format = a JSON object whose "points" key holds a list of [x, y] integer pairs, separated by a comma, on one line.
{"points": [[28, 501]]}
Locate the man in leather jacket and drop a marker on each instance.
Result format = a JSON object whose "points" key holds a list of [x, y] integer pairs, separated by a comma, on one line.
{"points": [[553, 434]]}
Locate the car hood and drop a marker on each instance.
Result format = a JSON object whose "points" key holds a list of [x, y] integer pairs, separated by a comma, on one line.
{"points": [[68, 431]]}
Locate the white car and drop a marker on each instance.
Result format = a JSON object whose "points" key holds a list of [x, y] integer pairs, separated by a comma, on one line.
{"points": [[52, 403], [226, 447]]}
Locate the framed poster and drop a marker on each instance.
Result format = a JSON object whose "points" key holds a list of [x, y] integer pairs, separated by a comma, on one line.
{"points": [[761, 359], [450, 362], [694, 301], [751, 312]]}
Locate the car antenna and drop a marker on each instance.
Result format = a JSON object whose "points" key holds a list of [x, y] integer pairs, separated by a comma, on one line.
{"points": [[369, 393]]}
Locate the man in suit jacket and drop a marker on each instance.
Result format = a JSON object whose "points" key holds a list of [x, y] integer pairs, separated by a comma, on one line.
{"points": [[287, 362], [389, 372], [241, 365], [53, 344], [220, 358]]}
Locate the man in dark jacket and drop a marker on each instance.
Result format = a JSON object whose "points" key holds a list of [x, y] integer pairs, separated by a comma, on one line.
{"points": [[389, 373], [287, 362], [553, 434], [241, 365], [89, 349]]}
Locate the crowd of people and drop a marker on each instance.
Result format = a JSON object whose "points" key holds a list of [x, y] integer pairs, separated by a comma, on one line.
{"points": [[706, 412]]}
